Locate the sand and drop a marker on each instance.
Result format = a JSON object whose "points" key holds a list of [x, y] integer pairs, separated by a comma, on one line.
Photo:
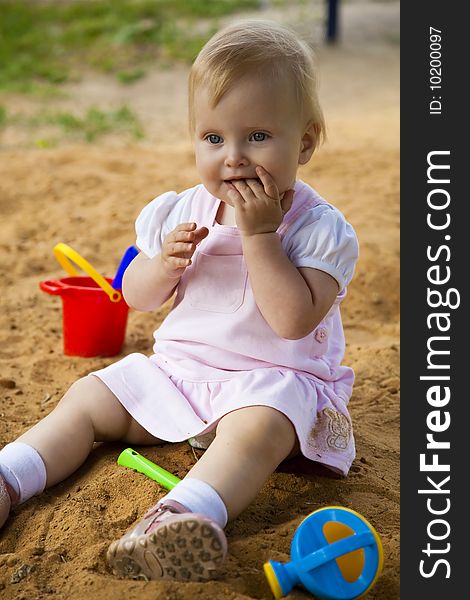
{"points": [[88, 196]]}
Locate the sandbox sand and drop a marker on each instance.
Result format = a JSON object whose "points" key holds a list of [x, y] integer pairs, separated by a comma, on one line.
{"points": [[88, 196]]}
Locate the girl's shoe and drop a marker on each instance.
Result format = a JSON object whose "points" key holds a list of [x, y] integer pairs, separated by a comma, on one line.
{"points": [[8, 498], [170, 543]]}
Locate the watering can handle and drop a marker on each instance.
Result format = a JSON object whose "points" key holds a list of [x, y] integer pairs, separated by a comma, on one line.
{"points": [[64, 254]]}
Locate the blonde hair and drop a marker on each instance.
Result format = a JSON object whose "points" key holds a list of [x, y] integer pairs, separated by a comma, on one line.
{"points": [[264, 49]]}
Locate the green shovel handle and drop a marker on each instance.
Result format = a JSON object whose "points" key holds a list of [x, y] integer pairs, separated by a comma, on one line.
{"points": [[133, 460]]}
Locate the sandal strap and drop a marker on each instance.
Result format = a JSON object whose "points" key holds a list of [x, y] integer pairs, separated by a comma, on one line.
{"points": [[160, 509]]}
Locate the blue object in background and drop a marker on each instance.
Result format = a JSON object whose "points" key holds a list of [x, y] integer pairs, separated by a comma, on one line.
{"points": [[128, 257]]}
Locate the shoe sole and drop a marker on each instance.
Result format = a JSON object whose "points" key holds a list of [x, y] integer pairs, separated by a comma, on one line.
{"points": [[5, 502], [187, 549]]}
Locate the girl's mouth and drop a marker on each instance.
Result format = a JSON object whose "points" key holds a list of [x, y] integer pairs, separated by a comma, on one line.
{"points": [[231, 181]]}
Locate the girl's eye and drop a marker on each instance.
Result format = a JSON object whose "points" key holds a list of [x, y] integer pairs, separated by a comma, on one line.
{"points": [[259, 136], [214, 139]]}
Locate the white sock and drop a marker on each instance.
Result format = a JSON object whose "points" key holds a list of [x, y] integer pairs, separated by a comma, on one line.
{"points": [[23, 469], [199, 497]]}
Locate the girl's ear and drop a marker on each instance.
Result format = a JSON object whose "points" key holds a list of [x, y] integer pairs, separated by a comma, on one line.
{"points": [[308, 143]]}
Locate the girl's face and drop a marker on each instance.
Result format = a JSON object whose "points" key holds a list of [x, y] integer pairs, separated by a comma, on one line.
{"points": [[255, 123]]}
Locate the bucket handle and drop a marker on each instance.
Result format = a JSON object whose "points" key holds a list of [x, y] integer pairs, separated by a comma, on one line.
{"points": [[64, 254], [55, 287]]}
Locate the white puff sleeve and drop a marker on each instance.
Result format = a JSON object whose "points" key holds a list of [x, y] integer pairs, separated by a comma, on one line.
{"points": [[158, 218], [321, 238]]}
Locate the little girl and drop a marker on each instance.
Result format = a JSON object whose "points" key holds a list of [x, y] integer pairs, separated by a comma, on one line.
{"points": [[252, 347]]}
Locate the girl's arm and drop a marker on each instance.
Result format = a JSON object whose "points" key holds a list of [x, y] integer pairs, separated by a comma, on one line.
{"points": [[293, 301], [149, 282]]}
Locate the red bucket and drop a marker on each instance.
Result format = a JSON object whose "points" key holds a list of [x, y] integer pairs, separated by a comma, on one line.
{"points": [[93, 325]]}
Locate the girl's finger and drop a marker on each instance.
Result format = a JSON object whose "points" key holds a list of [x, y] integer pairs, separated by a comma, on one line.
{"points": [[235, 196], [256, 186], [287, 200], [185, 227], [244, 190], [182, 249], [270, 186], [196, 235], [200, 234], [179, 262]]}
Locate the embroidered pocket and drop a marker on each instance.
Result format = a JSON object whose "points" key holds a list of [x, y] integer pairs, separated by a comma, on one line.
{"points": [[332, 431], [217, 283]]}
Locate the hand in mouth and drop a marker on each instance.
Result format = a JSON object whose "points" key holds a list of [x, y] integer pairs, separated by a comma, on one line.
{"points": [[244, 179]]}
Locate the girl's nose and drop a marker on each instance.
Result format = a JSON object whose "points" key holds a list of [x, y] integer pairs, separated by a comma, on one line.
{"points": [[235, 158]]}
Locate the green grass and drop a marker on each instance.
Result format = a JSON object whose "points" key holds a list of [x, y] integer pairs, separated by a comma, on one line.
{"points": [[93, 124], [44, 44]]}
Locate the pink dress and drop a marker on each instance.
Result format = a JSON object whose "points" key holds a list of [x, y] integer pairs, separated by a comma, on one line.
{"points": [[215, 353]]}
